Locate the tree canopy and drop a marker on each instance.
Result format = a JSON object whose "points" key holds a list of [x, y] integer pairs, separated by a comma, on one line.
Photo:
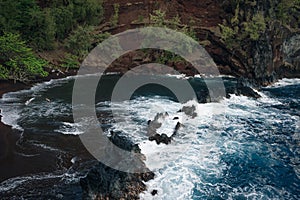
{"points": [[29, 26], [19, 61]]}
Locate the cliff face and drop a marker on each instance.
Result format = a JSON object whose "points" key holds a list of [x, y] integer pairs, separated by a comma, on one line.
{"points": [[274, 55]]}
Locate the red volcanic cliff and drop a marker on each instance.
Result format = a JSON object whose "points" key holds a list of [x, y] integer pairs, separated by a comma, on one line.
{"points": [[272, 56]]}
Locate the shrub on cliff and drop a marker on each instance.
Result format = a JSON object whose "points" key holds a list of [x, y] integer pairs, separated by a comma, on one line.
{"points": [[115, 18], [81, 40], [256, 26], [250, 20], [185, 44], [18, 61]]}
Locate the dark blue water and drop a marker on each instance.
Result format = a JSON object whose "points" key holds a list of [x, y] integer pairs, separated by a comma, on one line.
{"points": [[266, 162], [238, 148]]}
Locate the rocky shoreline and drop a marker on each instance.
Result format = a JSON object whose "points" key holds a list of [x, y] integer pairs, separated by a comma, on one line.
{"points": [[10, 153], [103, 182], [115, 184], [259, 64]]}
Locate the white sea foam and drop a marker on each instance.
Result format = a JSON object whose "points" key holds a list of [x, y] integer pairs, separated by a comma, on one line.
{"points": [[29, 101], [193, 159], [174, 164], [184, 171], [13, 183], [10, 118], [171, 163], [178, 76], [70, 129], [44, 146], [12, 103], [184, 76], [286, 82]]}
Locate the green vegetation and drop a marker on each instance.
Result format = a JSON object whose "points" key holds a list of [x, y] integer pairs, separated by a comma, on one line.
{"points": [[141, 18], [256, 26], [79, 41], [70, 62], [159, 19], [286, 10], [45, 25], [44, 22], [250, 20], [4, 72], [115, 17], [19, 61], [228, 35]]}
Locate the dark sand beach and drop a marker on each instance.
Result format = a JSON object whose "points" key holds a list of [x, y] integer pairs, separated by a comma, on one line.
{"points": [[18, 160]]}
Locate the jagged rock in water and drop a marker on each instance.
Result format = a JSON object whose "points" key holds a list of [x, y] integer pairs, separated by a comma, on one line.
{"points": [[177, 127], [152, 127], [241, 88], [123, 142], [247, 91], [154, 192], [189, 110], [155, 124], [104, 182], [163, 138]]}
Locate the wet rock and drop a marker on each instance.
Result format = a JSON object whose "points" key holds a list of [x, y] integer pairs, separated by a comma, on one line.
{"points": [[189, 110], [103, 182], [241, 88], [154, 192], [247, 91], [123, 142], [152, 127], [160, 115], [155, 124], [147, 176], [163, 138], [177, 127]]}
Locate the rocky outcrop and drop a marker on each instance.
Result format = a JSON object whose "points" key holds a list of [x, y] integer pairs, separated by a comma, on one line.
{"points": [[103, 182], [291, 57], [153, 125], [189, 111], [274, 55], [240, 88], [163, 138]]}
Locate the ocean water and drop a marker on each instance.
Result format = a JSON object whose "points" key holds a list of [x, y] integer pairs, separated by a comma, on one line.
{"points": [[237, 148]]}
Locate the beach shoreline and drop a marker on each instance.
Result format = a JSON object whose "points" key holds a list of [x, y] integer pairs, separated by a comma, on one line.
{"points": [[14, 159]]}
